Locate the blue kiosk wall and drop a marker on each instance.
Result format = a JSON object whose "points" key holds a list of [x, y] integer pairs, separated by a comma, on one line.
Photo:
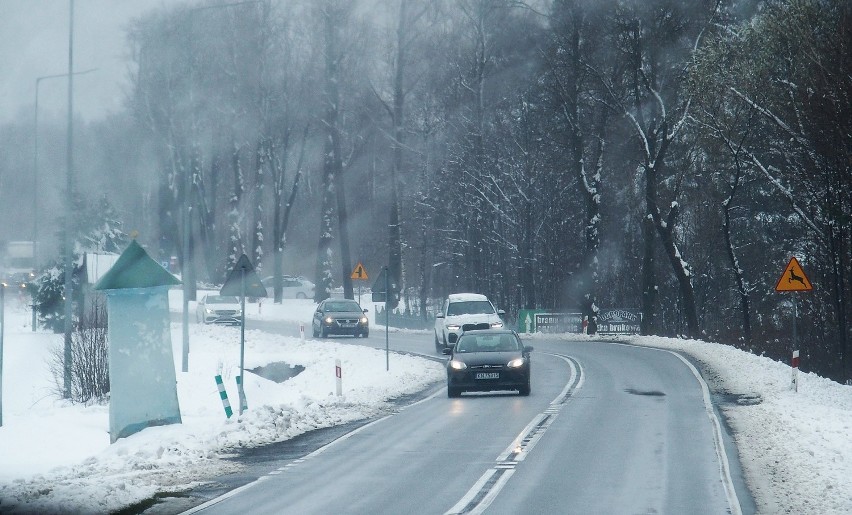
{"points": [[143, 383]]}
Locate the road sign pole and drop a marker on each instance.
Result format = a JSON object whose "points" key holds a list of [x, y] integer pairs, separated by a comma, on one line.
{"points": [[387, 320], [2, 330], [242, 392]]}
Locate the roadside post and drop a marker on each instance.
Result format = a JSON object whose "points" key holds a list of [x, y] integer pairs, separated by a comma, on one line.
{"points": [[2, 330], [302, 331], [338, 374], [242, 281], [224, 396], [795, 366], [794, 280]]}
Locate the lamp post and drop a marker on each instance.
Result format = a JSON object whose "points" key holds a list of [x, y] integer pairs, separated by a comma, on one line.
{"points": [[69, 156], [2, 330], [187, 214], [35, 170]]}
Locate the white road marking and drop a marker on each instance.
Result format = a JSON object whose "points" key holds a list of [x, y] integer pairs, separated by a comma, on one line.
{"points": [[721, 454], [486, 487]]}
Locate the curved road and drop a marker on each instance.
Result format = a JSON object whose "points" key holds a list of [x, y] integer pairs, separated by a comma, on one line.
{"points": [[607, 429]]}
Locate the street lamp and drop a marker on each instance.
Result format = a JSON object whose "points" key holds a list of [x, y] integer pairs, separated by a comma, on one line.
{"points": [[35, 170], [187, 214], [69, 207]]}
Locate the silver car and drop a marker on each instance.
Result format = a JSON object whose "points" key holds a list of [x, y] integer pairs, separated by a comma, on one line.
{"points": [[218, 309], [291, 287]]}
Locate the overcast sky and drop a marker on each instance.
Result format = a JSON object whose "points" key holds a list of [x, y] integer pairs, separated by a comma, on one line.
{"points": [[34, 43]]}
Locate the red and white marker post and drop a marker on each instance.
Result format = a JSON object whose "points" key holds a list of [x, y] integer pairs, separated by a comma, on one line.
{"points": [[338, 374], [794, 385]]}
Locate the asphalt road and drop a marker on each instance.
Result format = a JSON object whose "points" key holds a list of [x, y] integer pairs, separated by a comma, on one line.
{"points": [[607, 429]]}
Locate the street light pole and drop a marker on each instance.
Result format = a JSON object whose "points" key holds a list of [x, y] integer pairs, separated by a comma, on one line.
{"points": [[69, 156], [187, 215], [35, 171]]}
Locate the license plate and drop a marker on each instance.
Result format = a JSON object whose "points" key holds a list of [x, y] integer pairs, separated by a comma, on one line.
{"points": [[488, 375], [347, 325]]}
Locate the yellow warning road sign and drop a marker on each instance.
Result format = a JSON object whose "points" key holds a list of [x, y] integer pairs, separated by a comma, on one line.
{"points": [[359, 272], [793, 278]]}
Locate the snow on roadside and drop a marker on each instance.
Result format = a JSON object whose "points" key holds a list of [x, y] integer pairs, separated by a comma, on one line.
{"points": [[57, 455]]}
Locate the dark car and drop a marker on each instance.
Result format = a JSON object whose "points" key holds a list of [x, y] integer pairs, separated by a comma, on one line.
{"points": [[488, 360], [340, 316]]}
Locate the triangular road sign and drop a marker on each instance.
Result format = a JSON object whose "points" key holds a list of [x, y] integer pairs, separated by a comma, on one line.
{"points": [[793, 278], [232, 286], [359, 272], [379, 283]]}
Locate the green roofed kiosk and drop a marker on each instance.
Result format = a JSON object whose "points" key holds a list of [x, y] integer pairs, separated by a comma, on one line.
{"points": [[143, 384]]}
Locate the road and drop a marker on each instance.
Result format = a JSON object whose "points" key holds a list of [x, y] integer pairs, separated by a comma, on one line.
{"points": [[607, 429]]}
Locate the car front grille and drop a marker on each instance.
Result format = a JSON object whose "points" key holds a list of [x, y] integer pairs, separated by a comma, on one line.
{"points": [[474, 327], [485, 367], [346, 321], [225, 312]]}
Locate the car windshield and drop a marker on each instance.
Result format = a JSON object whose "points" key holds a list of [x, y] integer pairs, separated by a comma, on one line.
{"points": [[218, 299], [488, 343], [470, 307], [342, 306]]}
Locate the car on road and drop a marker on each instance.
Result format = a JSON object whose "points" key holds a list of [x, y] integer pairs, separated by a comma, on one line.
{"points": [[464, 312], [340, 316], [218, 309], [291, 287], [488, 360]]}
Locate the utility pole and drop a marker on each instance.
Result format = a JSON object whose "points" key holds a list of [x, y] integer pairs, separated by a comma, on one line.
{"points": [[69, 265]]}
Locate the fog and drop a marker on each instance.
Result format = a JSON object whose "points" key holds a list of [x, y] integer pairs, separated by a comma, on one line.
{"points": [[570, 155]]}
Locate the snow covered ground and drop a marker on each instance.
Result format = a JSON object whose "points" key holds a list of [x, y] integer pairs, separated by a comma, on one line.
{"points": [[796, 448], [54, 454]]}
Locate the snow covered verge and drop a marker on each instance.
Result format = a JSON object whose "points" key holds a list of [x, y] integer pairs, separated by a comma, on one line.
{"points": [[55, 456], [795, 447]]}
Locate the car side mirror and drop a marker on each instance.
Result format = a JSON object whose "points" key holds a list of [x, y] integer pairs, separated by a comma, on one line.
{"points": [[528, 348], [447, 351], [501, 312], [365, 310], [439, 315]]}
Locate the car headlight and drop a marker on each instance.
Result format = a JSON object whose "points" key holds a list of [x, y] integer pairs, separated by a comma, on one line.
{"points": [[496, 325], [516, 363], [457, 365], [329, 320], [453, 327], [208, 311], [363, 320], [238, 313]]}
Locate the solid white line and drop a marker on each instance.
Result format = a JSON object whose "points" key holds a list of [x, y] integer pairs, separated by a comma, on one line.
{"points": [[345, 437], [236, 491], [518, 447], [224, 496], [721, 454]]}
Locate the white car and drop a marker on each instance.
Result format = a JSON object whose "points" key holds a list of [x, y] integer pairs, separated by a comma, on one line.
{"points": [[464, 312], [291, 287], [219, 309]]}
